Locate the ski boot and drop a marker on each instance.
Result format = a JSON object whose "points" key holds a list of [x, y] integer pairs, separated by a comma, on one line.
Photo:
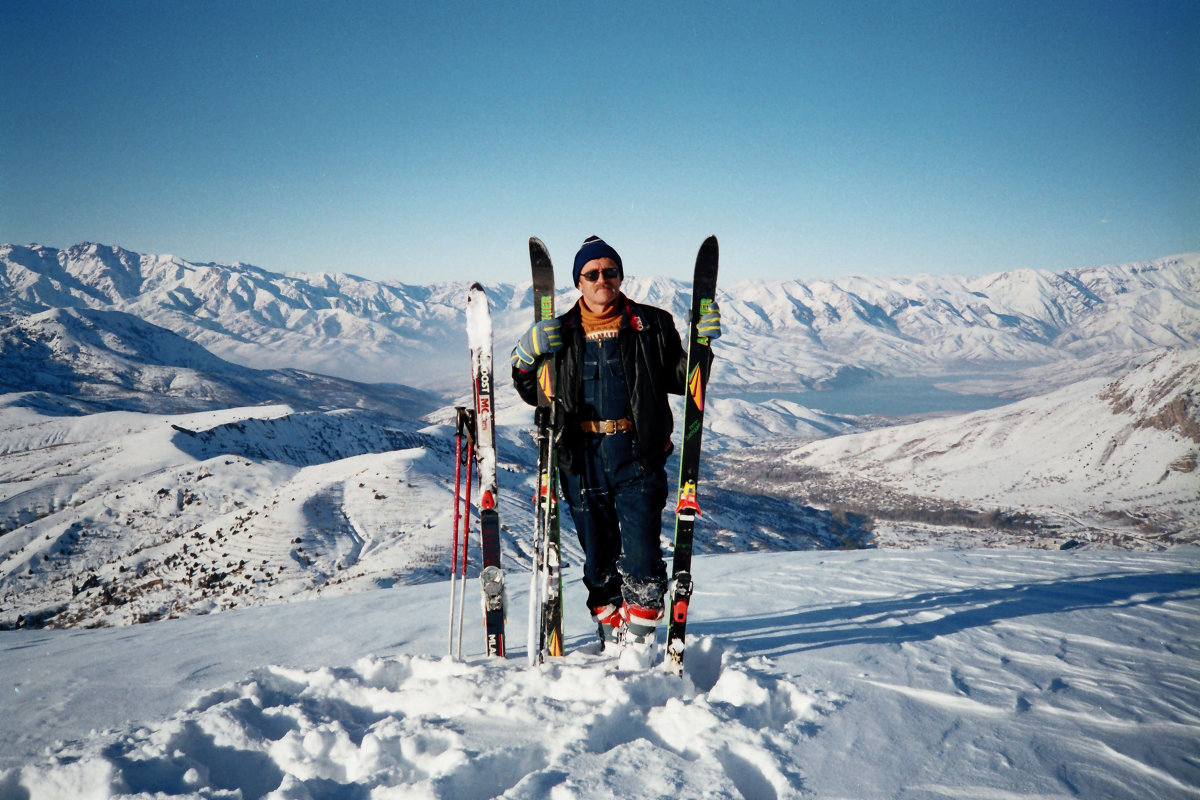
{"points": [[639, 636], [608, 628]]}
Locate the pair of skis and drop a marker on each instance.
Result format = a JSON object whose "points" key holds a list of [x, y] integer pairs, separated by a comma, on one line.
{"points": [[478, 427], [545, 608]]}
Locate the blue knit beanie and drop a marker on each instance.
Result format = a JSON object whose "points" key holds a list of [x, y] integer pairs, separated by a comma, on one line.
{"points": [[594, 247]]}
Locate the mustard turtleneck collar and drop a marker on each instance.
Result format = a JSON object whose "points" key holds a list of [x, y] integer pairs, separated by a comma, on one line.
{"points": [[604, 325]]}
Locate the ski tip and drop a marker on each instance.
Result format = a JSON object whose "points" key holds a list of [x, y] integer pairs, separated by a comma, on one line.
{"points": [[538, 253], [708, 255], [476, 286]]}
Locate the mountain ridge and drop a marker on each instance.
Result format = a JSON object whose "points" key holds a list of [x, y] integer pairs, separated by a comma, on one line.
{"points": [[796, 334]]}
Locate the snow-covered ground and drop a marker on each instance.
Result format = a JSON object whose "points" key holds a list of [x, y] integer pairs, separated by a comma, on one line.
{"points": [[144, 480], [869, 674]]}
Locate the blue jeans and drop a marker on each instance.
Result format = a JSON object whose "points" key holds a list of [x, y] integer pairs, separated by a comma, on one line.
{"points": [[617, 507]]}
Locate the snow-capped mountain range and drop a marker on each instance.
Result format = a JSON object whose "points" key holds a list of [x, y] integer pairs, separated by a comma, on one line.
{"points": [[168, 445], [781, 334]]}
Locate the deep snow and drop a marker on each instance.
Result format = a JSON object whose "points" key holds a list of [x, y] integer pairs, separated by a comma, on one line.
{"points": [[867, 674]]}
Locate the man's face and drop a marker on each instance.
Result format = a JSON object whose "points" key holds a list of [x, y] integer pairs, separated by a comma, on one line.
{"points": [[604, 291]]}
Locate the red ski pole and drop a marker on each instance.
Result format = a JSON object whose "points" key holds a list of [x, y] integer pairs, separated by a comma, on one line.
{"points": [[458, 451]]}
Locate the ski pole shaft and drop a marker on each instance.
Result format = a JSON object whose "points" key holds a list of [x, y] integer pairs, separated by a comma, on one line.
{"points": [[462, 593], [535, 585], [458, 454]]}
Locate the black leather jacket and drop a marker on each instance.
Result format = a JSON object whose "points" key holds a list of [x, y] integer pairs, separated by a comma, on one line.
{"points": [[654, 364]]}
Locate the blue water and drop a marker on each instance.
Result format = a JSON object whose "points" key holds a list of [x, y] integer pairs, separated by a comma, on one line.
{"points": [[889, 397]]}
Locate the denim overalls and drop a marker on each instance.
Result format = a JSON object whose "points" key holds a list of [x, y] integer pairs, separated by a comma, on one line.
{"points": [[617, 506]]}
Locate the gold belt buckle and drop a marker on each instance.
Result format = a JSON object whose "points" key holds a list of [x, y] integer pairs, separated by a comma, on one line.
{"points": [[606, 426]]}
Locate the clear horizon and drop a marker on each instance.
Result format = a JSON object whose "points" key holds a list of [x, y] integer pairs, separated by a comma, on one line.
{"points": [[400, 142]]}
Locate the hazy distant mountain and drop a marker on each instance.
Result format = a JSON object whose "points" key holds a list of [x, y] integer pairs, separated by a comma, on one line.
{"points": [[789, 334], [102, 360]]}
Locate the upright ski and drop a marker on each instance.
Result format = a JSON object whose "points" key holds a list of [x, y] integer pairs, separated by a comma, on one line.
{"points": [[545, 595], [704, 287], [491, 577]]}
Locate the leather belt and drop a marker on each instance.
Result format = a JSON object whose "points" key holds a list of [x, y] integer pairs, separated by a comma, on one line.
{"points": [[606, 426]]}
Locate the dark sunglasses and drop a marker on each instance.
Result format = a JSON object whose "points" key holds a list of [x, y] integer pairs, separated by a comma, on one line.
{"points": [[591, 276]]}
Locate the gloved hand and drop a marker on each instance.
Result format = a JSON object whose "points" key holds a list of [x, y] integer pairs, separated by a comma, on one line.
{"points": [[542, 339], [710, 322]]}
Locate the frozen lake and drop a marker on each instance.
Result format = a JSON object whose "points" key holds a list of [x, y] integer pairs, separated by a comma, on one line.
{"points": [[889, 397]]}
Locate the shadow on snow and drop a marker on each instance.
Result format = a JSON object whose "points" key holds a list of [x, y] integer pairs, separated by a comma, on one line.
{"points": [[906, 618]]}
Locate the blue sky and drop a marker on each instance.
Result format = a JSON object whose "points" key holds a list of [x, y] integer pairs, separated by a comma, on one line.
{"points": [[420, 141]]}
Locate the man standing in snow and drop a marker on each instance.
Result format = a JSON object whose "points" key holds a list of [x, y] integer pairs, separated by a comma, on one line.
{"points": [[614, 363]]}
